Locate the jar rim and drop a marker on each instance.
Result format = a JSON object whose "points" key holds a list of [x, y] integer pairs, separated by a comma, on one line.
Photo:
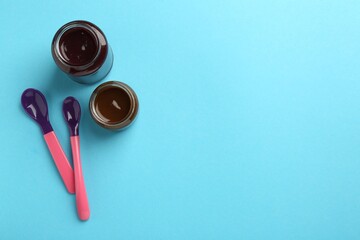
{"points": [[130, 116], [91, 67], [66, 29]]}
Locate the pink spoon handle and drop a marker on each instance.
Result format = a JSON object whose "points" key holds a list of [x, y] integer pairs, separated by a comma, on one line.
{"points": [[61, 162], [82, 203]]}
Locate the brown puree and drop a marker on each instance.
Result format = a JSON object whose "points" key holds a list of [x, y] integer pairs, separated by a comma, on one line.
{"points": [[81, 51], [113, 105], [78, 46]]}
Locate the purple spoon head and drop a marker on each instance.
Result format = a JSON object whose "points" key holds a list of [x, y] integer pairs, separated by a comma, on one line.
{"points": [[34, 103], [72, 114]]}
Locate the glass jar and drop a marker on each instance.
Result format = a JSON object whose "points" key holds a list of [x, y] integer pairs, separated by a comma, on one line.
{"points": [[113, 105], [80, 50]]}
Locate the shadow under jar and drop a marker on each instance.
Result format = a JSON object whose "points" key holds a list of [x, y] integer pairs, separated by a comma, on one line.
{"points": [[80, 50], [113, 105]]}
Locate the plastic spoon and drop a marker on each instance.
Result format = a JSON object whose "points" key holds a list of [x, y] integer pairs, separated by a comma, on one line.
{"points": [[72, 114], [34, 103]]}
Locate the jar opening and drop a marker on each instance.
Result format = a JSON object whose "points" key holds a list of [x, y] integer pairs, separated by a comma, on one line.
{"points": [[112, 105], [77, 45]]}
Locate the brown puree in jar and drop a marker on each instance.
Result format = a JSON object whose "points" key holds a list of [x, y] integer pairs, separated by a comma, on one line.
{"points": [[81, 50], [113, 105]]}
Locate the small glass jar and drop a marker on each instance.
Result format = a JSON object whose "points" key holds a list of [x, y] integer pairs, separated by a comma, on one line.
{"points": [[113, 105], [80, 50]]}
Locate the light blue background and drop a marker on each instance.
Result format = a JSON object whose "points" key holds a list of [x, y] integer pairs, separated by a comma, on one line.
{"points": [[249, 126]]}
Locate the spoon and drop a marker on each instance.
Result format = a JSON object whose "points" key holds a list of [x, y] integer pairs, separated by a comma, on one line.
{"points": [[34, 103], [72, 114]]}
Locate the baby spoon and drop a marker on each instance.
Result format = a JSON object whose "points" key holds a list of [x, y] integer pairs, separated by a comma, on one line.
{"points": [[34, 103], [72, 114]]}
